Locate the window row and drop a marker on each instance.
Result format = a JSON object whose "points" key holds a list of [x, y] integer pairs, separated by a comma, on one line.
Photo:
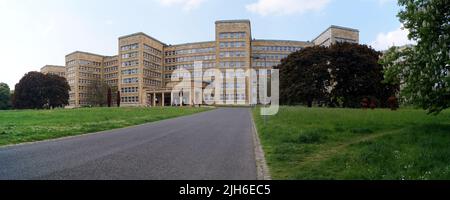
{"points": [[130, 80], [84, 62], [152, 74], [110, 69], [277, 48], [228, 54], [190, 59], [89, 69], [111, 63], [232, 97], [151, 65], [129, 90], [151, 82], [133, 54], [133, 99], [112, 82], [265, 64], [130, 63], [129, 47], [191, 51], [232, 44], [271, 56], [130, 71], [345, 40], [205, 65], [90, 75], [152, 58], [232, 64], [232, 35], [152, 50]]}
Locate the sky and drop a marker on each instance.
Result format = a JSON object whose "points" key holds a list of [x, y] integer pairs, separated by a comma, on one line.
{"points": [[36, 33]]}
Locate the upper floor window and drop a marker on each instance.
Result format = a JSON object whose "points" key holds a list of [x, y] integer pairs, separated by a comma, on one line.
{"points": [[129, 47], [232, 35]]}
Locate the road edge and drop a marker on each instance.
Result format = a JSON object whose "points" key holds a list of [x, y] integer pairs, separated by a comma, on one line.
{"points": [[262, 169]]}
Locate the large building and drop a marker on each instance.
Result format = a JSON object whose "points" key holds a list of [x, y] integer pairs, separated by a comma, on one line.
{"points": [[54, 70], [147, 71]]}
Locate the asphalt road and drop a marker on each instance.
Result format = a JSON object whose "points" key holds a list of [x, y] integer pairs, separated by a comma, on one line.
{"points": [[214, 145]]}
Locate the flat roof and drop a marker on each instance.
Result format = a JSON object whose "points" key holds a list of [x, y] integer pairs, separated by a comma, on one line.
{"points": [[83, 52], [233, 21], [265, 40], [58, 66], [337, 27], [141, 33], [191, 43]]}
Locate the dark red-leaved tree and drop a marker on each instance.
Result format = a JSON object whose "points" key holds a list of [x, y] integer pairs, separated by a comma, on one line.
{"points": [[109, 97], [118, 99]]}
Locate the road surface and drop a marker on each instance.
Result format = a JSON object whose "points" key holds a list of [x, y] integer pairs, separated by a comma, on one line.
{"points": [[214, 145]]}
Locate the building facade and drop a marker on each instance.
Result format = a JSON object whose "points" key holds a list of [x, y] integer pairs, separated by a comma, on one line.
{"points": [[148, 72], [54, 70]]}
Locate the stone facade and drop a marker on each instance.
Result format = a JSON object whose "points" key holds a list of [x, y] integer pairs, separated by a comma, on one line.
{"points": [[146, 71], [54, 69]]}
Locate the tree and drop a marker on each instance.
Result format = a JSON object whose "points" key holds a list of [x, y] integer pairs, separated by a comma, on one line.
{"points": [[98, 93], [56, 91], [340, 75], [28, 93], [118, 99], [357, 75], [36, 90], [305, 76], [426, 77], [5, 96], [109, 97]]}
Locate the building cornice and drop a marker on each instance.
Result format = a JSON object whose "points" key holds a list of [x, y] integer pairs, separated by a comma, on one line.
{"points": [[83, 52], [142, 34], [336, 27]]}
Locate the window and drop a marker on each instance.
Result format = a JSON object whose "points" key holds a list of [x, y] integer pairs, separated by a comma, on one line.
{"points": [[129, 47], [130, 63], [130, 55], [129, 71], [232, 35], [232, 44], [232, 64], [129, 90], [228, 54], [130, 80]]}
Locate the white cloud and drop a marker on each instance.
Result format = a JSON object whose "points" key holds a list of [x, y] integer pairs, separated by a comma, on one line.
{"points": [[398, 37], [286, 7], [185, 4]]}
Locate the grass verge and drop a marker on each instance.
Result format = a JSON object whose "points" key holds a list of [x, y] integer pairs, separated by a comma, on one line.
{"points": [[19, 126], [321, 143]]}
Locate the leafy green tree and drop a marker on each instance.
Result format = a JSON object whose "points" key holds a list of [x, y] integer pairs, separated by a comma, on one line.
{"points": [[305, 77], [5, 96], [98, 93], [426, 76]]}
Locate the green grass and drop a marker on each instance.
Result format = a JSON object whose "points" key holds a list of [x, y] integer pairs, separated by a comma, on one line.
{"points": [[321, 143], [35, 125]]}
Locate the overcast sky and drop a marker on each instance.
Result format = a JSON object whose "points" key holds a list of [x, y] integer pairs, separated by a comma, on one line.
{"points": [[35, 33]]}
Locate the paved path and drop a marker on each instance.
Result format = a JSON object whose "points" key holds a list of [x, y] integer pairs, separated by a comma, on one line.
{"points": [[211, 145]]}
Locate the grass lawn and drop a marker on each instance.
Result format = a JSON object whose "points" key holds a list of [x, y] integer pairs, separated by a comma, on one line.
{"points": [[320, 143], [34, 125]]}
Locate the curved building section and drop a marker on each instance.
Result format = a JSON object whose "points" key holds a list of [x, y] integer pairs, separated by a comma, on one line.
{"points": [[147, 71]]}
